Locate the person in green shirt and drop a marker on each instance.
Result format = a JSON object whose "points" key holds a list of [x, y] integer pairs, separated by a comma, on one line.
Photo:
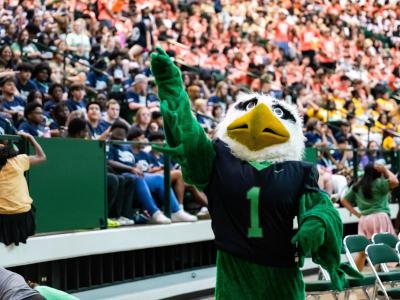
{"points": [[371, 195]]}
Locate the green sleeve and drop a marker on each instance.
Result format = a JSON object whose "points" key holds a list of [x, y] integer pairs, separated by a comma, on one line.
{"points": [[350, 196], [317, 208], [187, 141], [382, 186]]}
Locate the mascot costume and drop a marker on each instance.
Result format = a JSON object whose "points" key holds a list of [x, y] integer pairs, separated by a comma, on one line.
{"points": [[256, 184]]}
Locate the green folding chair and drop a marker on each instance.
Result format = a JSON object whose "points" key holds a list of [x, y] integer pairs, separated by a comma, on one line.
{"points": [[381, 254], [355, 244], [398, 248], [385, 238]]}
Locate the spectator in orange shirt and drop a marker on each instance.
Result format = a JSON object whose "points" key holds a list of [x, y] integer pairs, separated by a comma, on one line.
{"points": [[308, 41], [283, 32], [216, 61]]}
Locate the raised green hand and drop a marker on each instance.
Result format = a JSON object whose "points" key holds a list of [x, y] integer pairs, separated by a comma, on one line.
{"points": [[162, 66]]}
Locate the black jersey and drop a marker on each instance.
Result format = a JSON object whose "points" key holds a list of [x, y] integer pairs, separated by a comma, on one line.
{"points": [[253, 210]]}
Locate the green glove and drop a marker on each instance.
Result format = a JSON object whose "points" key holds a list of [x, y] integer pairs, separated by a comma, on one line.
{"points": [[162, 66], [311, 235]]}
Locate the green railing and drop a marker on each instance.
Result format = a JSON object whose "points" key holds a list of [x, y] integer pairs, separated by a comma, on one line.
{"points": [[70, 189]]}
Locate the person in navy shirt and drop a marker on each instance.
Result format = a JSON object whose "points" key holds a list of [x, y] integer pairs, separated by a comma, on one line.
{"points": [[156, 161], [13, 106], [76, 100], [6, 127], [98, 78], [23, 80], [56, 93], [34, 118], [59, 115], [42, 75], [98, 128], [137, 97], [121, 158]]}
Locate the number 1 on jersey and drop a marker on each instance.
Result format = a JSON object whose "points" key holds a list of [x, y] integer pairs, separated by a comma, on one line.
{"points": [[255, 231]]}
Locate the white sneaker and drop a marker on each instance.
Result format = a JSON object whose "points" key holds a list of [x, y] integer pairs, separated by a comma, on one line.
{"points": [[125, 221], [159, 218], [203, 214], [183, 216]]}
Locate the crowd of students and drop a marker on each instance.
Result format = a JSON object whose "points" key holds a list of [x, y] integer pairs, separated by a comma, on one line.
{"points": [[80, 69]]}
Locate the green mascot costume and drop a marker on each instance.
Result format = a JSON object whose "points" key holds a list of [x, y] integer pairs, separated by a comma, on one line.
{"points": [[256, 184]]}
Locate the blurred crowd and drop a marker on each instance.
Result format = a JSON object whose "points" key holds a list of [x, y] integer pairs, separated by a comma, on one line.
{"points": [[74, 68]]}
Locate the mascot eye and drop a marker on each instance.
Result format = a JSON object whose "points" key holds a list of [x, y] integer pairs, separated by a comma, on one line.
{"points": [[278, 111], [250, 105]]}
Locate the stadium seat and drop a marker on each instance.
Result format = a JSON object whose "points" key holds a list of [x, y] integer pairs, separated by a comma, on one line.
{"points": [[385, 238], [381, 254], [355, 244]]}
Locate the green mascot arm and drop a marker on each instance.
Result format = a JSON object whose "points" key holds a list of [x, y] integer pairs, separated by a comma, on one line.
{"points": [[320, 233], [187, 141]]}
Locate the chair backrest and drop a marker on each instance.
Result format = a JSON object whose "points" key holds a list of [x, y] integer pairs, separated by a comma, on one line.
{"points": [[381, 254], [385, 238], [352, 244], [355, 243], [398, 248]]}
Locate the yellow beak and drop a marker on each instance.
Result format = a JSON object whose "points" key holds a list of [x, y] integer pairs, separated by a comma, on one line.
{"points": [[257, 129]]}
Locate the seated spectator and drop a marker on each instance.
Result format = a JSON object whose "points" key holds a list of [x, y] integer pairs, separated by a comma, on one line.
{"points": [[98, 128], [221, 96], [59, 115], [22, 47], [78, 41], [13, 106], [157, 117], [98, 78], [56, 93], [120, 192], [14, 286], [312, 133], [122, 159], [200, 106], [112, 112], [145, 162], [373, 155], [34, 119], [42, 77], [156, 161], [7, 56], [143, 119], [6, 127], [345, 133], [217, 112], [35, 96], [137, 97], [78, 129], [76, 99], [23, 80], [17, 216]]}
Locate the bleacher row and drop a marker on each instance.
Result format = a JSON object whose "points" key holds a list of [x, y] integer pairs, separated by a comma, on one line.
{"points": [[382, 251]]}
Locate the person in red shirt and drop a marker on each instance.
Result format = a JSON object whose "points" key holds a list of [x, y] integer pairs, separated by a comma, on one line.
{"points": [[328, 52], [216, 61], [283, 32], [308, 41]]}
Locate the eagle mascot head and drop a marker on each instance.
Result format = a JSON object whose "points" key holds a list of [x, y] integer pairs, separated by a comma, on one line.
{"points": [[261, 128]]}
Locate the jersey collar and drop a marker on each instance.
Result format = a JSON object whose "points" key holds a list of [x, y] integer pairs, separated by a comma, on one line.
{"points": [[260, 165]]}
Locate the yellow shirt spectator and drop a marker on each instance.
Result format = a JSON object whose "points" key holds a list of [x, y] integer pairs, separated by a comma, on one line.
{"points": [[14, 193]]}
